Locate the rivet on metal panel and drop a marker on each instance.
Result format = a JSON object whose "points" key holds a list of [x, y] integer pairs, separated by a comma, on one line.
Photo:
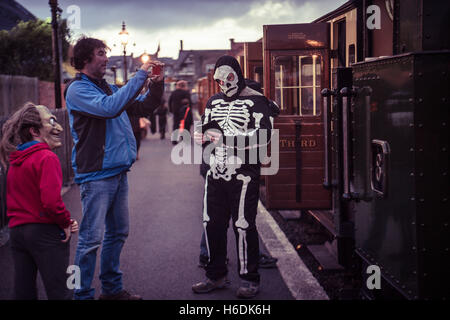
{"points": [[421, 174], [420, 125], [411, 100], [444, 174], [410, 74], [420, 100], [424, 249], [411, 124], [444, 149], [422, 225], [444, 200], [420, 149], [414, 248], [413, 223], [422, 200], [411, 174], [414, 272], [411, 149], [413, 199], [425, 274], [444, 124]]}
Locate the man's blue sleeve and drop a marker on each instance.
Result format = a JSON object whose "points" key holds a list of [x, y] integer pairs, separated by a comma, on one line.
{"points": [[83, 97]]}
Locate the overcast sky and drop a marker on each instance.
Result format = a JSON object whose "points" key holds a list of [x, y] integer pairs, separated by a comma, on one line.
{"points": [[201, 24]]}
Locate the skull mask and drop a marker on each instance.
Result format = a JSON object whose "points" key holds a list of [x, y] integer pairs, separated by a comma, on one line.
{"points": [[228, 74], [227, 80]]}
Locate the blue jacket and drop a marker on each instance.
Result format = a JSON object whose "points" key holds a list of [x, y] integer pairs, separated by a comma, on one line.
{"points": [[104, 144]]}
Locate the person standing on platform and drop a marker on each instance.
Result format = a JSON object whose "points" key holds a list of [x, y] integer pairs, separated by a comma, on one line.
{"points": [[265, 261], [176, 100], [40, 225], [104, 150], [240, 117], [161, 112]]}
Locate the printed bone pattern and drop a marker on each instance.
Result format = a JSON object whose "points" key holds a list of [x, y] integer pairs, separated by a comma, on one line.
{"points": [[233, 117]]}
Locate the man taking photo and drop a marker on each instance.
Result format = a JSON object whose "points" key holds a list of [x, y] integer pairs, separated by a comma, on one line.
{"points": [[104, 150]]}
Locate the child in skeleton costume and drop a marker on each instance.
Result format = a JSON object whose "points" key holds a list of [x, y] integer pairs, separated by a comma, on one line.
{"points": [[245, 117]]}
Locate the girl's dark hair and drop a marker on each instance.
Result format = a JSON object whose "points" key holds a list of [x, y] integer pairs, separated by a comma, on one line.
{"points": [[16, 130], [84, 51]]}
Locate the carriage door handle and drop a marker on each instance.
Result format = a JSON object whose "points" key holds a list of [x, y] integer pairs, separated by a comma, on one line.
{"points": [[326, 95], [347, 94], [362, 189]]}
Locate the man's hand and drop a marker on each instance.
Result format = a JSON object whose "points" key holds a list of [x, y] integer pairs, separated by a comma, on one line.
{"points": [[198, 138], [214, 135], [146, 66]]}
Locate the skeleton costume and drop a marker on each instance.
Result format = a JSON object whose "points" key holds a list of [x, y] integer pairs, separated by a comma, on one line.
{"points": [[232, 182]]}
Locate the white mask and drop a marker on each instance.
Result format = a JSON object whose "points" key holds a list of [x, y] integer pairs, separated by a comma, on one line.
{"points": [[227, 79]]}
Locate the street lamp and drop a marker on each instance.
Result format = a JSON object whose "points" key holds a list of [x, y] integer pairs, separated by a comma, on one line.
{"points": [[56, 66], [124, 36]]}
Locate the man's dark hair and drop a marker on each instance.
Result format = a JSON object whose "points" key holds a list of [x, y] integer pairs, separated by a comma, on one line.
{"points": [[84, 51]]}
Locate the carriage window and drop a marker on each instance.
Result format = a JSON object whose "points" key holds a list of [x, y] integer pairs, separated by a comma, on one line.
{"points": [[297, 84]]}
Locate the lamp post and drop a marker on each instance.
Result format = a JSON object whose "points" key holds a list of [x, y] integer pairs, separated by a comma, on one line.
{"points": [[124, 40], [56, 66]]}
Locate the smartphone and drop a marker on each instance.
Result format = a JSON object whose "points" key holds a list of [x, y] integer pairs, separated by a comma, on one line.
{"points": [[156, 70]]}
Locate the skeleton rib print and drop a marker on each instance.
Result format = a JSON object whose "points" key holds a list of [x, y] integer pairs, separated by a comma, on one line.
{"points": [[233, 117]]}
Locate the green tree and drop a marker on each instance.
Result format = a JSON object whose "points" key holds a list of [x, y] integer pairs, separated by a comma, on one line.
{"points": [[27, 49]]}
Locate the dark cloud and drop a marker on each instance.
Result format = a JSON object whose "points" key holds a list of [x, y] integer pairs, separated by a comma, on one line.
{"points": [[152, 14]]}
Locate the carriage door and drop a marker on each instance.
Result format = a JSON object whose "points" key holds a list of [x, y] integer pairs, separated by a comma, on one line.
{"points": [[295, 72]]}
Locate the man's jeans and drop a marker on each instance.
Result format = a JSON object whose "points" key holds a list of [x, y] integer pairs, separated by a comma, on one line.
{"points": [[105, 210]]}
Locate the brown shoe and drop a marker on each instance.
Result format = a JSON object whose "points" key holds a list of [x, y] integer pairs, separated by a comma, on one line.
{"points": [[121, 295], [209, 285]]}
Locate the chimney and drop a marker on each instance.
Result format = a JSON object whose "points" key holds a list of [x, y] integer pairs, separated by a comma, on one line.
{"points": [[181, 45], [231, 43]]}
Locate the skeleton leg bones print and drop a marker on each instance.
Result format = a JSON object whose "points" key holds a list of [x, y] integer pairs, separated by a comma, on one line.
{"points": [[232, 183]]}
